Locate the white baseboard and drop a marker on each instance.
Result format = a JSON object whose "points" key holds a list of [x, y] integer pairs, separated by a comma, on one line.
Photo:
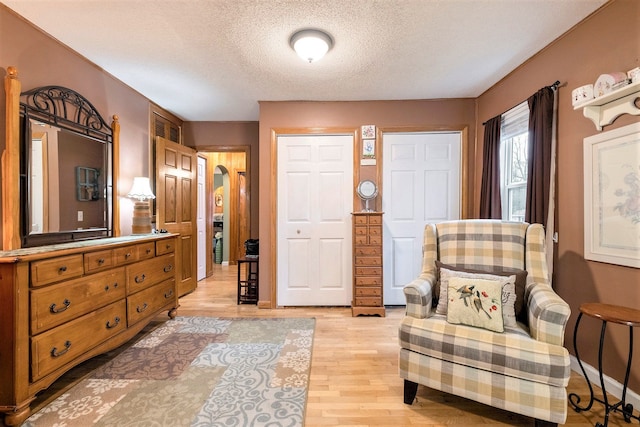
{"points": [[613, 387], [225, 263]]}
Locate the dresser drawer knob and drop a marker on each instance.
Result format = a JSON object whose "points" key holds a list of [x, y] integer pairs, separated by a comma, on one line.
{"points": [[62, 269], [127, 255], [168, 268], [141, 309], [54, 309], [101, 261], [56, 353], [168, 294], [114, 324], [148, 251], [139, 279]]}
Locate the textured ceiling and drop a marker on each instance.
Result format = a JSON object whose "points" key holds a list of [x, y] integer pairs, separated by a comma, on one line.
{"points": [[215, 59]]}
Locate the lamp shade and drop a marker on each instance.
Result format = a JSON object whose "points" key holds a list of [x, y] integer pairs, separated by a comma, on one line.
{"points": [[141, 189], [311, 45]]}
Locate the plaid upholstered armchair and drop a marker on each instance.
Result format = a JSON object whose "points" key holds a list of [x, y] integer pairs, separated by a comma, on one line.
{"points": [[516, 364]]}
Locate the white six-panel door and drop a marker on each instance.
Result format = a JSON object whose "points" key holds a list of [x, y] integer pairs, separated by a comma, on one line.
{"points": [[421, 182], [315, 199], [201, 220]]}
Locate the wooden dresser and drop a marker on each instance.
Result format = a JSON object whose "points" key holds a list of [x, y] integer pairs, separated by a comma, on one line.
{"points": [[63, 304], [367, 264]]}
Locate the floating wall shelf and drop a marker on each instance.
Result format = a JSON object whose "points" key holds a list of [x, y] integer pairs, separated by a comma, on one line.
{"points": [[602, 111]]}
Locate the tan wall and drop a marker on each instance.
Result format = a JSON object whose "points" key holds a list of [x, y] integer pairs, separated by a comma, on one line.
{"points": [[325, 116], [608, 41], [41, 60]]}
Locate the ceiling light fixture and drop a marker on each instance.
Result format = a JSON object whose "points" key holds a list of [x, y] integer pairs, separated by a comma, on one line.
{"points": [[311, 44]]}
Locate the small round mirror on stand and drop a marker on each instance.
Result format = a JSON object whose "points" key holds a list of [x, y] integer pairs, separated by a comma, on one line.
{"points": [[367, 190]]}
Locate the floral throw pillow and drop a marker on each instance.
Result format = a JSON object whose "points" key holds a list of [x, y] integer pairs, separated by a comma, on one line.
{"points": [[475, 302], [508, 296], [521, 283]]}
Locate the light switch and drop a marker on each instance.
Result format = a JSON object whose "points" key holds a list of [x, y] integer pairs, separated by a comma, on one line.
{"points": [[80, 216]]}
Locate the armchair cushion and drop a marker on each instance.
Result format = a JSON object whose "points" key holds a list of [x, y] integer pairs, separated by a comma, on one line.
{"points": [[514, 353]]}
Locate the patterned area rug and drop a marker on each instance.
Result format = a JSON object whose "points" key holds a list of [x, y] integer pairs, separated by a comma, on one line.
{"points": [[197, 371]]}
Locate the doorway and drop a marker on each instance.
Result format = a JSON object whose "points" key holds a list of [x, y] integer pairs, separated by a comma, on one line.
{"points": [[221, 215], [228, 202]]}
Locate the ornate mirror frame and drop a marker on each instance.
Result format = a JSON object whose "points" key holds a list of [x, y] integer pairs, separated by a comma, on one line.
{"points": [[11, 159]]}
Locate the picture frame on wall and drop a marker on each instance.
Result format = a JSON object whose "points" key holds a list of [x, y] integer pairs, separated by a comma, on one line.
{"points": [[369, 148], [368, 131], [612, 196]]}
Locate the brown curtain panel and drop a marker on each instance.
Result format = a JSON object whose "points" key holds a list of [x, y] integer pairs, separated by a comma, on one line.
{"points": [[540, 150], [490, 204]]}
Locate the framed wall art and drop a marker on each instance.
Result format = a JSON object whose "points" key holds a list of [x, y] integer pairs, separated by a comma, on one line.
{"points": [[612, 196], [368, 131], [369, 148]]}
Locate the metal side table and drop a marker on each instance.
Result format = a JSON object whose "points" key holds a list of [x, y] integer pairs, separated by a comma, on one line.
{"points": [[614, 314], [248, 284]]}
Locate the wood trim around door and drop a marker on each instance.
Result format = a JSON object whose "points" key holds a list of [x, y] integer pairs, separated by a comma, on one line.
{"points": [[464, 154], [273, 194]]}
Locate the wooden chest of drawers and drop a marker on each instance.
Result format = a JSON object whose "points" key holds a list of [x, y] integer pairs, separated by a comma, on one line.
{"points": [[367, 264], [66, 303]]}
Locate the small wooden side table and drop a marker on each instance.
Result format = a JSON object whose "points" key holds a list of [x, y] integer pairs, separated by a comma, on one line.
{"points": [[248, 285], [614, 314]]}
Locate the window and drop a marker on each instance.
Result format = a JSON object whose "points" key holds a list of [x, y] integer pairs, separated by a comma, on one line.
{"points": [[514, 138]]}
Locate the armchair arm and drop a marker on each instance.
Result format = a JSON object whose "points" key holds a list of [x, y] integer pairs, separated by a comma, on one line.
{"points": [[548, 314], [419, 300]]}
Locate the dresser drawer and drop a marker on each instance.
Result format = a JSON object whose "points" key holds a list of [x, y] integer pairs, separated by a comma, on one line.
{"points": [[368, 260], [368, 301], [375, 240], [363, 291], [96, 261], [359, 219], [147, 302], [360, 230], [56, 269], [146, 250], [368, 250], [369, 271], [360, 240], [368, 281], [59, 346], [125, 255], [143, 274], [165, 246], [54, 305], [129, 254], [375, 219], [375, 230]]}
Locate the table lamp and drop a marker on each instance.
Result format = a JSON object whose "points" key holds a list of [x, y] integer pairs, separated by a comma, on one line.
{"points": [[141, 191]]}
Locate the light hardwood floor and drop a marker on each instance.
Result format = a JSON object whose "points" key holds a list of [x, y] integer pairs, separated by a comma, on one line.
{"points": [[354, 374]]}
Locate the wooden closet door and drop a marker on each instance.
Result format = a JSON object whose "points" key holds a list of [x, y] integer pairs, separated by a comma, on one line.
{"points": [[176, 168]]}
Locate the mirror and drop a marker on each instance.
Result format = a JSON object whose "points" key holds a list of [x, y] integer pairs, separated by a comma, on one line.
{"points": [[367, 190], [66, 171]]}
